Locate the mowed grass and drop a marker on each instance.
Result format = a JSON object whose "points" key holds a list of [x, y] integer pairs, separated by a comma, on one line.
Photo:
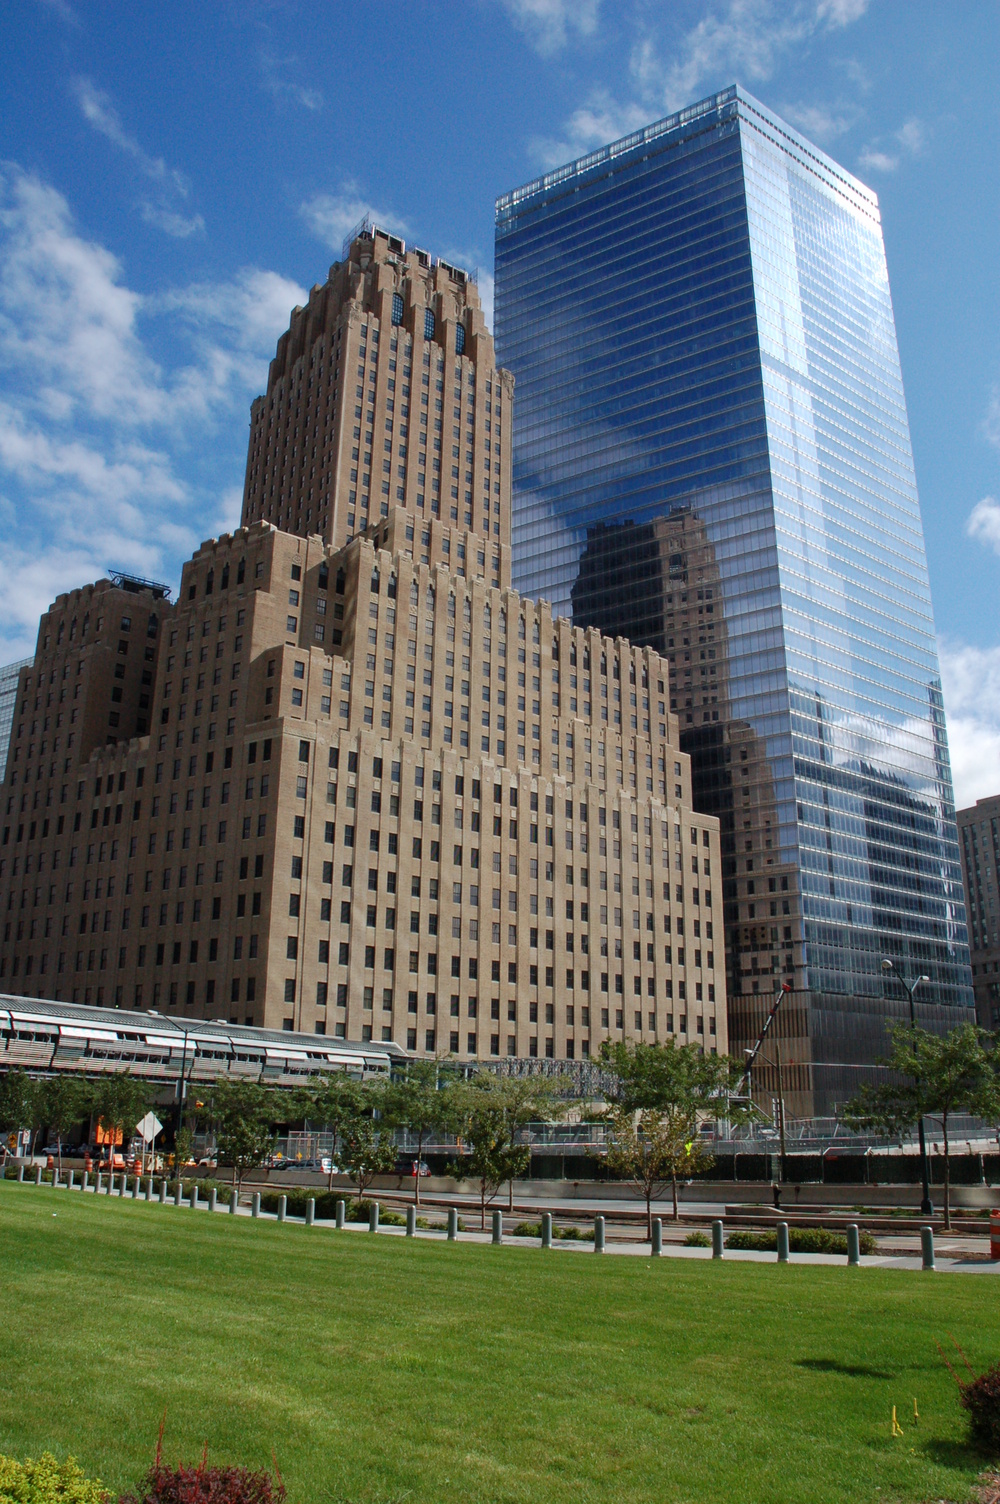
{"points": [[375, 1370]]}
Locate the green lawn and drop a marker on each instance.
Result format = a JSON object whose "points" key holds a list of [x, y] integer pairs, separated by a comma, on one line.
{"points": [[377, 1370]]}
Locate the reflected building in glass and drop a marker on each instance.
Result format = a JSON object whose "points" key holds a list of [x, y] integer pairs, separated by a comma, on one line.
{"points": [[712, 456]]}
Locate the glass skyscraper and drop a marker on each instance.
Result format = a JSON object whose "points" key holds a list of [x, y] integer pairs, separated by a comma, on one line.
{"points": [[712, 456]]}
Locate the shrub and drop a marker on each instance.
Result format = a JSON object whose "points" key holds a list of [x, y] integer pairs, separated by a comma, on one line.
{"points": [[981, 1398], [527, 1230], [697, 1240], [206, 1485], [801, 1240], [46, 1481], [563, 1234]]}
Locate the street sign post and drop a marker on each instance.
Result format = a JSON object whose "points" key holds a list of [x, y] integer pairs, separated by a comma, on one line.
{"points": [[147, 1129]]}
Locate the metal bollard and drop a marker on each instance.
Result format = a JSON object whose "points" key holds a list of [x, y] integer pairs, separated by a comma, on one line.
{"points": [[213, 1198], [497, 1228], [310, 1211], [546, 1229], [657, 1239], [194, 1197], [373, 1217], [452, 1223], [782, 1242], [55, 1178], [927, 1247], [282, 1207], [255, 1204], [853, 1246], [179, 1194], [98, 1184], [20, 1174], [341, 1214], [411, 1221], [136, 1188], [112, 1180], [71, 1180], [38, 1174], [163, 1193], [718, 1241], [85, 1182], [234, 1202], [149, 1187], [598, 1234]]}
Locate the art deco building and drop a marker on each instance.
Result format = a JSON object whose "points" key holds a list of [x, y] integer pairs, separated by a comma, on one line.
{"points": [[350, 782], [712, 457]]}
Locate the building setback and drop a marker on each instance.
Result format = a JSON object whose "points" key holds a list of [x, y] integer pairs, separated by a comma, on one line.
{"points": [[979, 840], [352, 783], [712, 456]]}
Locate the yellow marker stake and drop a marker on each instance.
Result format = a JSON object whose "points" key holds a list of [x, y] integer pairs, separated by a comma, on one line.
{"points": [[897, 1429], [916, 1412]]}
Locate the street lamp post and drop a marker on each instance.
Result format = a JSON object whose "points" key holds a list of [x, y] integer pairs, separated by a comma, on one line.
{"points": [[926, 1205]]}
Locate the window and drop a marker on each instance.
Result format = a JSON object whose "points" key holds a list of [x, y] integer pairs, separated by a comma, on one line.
{"points": [[459, 338], [397, 308], [428, 324]]}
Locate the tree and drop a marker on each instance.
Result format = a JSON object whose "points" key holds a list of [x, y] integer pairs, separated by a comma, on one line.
{"points": [[367, 1151], [242, 1113], [337, 1102], [17, 1097], [490, 1114], [937, 1075], [61, 1101], [652, 1149], [119, 1101], [658, 1097], [421, 1102]]}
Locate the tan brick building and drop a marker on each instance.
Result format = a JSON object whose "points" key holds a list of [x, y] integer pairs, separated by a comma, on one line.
{"points": [[351, 783]]}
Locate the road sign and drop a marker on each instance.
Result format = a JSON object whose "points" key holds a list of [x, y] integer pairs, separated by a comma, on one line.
{"points": [[148, 1127]]}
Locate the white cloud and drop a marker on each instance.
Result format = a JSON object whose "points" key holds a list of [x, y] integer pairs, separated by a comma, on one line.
{"points": [[872, 160], [734, 40], [280, 86], [910, 140], [96, 454], [971, 683], [984, 523], [332, 216], [549, 23], [991, 422], [99, 111], [594, 124], [742, 39], [820, 122], [180, 226]]}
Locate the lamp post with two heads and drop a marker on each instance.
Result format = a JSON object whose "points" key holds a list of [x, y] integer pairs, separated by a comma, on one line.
{"points": [[926, 1205]]}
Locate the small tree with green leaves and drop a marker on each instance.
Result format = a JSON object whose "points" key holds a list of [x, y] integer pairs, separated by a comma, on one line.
{"points": [[17, 1101], [421, 1101], [119, 1101], [653, 1149], [490, 1115], [338, 1102], [658, 1097], [242, 1112], [936, 1077], [62, 1102]]}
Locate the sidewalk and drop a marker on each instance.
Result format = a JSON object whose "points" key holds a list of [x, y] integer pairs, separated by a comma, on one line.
{"points": [[631, 1249]]}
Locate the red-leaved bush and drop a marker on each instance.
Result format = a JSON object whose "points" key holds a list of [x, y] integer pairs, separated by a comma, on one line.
{"points": [[205, 1485], [981, 1398]]}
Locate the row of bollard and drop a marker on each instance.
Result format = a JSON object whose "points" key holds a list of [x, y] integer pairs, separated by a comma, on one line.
{"points": [[656, 1242]]}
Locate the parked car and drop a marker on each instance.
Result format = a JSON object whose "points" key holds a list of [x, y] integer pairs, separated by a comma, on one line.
{"points": [[412, 1167]]}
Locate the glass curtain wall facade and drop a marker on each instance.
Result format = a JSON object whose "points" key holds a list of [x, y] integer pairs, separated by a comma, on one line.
{"points": [[712, 456], [9, 676]]}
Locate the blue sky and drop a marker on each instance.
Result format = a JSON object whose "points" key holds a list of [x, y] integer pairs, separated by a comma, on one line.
{"points": [[174, 178]]}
